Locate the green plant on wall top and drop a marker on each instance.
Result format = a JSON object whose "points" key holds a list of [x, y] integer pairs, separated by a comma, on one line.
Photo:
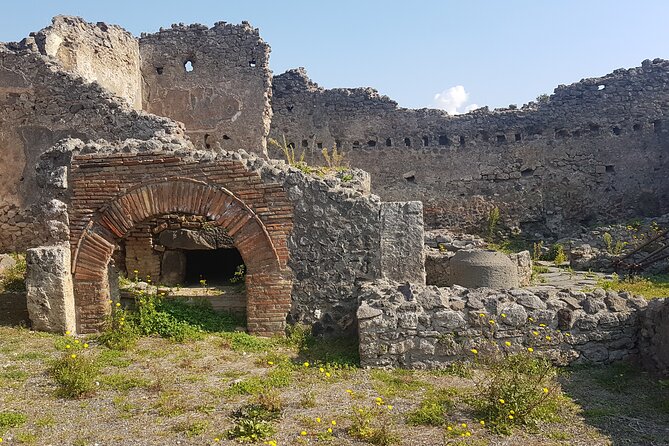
{"points": [[493, 219]]}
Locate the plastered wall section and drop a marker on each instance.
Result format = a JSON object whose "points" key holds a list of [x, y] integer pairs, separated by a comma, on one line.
{"points": [[214, 80]]}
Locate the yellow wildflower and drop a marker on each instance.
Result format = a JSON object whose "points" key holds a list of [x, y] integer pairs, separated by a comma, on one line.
{"points": [[73, 356], [567, 334], [85, 345], [545, 389], [329, 430], [491, 322], [535, 333], [468, 434], [474, 351], [118, 304], [464, 425], [349, 391], [270, 363], [303, 433], [482, 423], [321, 369], [548, 338], [542, 325], [507, 343], [379, 399], [76, 341], [390, 407], [318, 420], [510, 417], [67, 332], [501, 401], [481, 315], [333, 422], [530, 349], [327, 374], [306, 364], [503, 315], [68, 346]]}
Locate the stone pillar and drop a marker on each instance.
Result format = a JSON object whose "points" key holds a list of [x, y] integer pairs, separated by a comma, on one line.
{"points": [[50, 291], [402, 240], [654, 337]]}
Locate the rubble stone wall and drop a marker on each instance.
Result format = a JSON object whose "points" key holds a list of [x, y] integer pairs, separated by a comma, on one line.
{"points": [[428, 327], [40, 103], [592, 151], [215, 80], [325, 230], [106, 54]]}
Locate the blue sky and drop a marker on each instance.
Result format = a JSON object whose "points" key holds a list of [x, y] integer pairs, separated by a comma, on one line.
{"points": [[498, 52]]}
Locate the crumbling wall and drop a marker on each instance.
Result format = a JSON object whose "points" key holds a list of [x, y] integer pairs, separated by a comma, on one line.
{"points": [[593, 150], [39, 105], [106, 54], [325, 229], [215, 80], [428, 327]]}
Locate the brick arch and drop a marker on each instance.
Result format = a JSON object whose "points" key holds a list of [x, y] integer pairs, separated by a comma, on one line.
{"points": [[268, 283]]}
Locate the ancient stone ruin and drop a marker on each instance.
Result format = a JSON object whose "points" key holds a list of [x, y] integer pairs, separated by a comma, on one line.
{"points": [[149, 155]]}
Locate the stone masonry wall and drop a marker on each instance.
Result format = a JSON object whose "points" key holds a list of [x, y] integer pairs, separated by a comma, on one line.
{"points": [[106, 54], [224, 100], [39, 105], [428, 327], [594, 150], [326, 230]]}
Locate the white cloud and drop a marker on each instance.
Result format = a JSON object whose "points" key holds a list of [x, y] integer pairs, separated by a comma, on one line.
{"points": [[453, 100]]}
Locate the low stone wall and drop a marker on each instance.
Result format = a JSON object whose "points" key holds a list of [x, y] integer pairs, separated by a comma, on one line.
{"points": [[415, 326]]}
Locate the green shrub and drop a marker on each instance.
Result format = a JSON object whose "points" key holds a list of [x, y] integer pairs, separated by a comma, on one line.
{"points": [[493, 219], [519, 389], [14, 279], [251, 430], [537, 250], [75, 375], [375, 424], [558, 254], [120, 333], [253, 421]]}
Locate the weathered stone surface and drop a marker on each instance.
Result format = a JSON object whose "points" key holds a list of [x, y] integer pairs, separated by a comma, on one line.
{"points": [[49, 289], [554, 175], [489, 269], [406, 324], [173, 268], [6, 262], [654, 336], [402, 254]]}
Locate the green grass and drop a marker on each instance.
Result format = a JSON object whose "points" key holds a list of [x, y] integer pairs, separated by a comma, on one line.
{"points": [[397, 382], [11, 419], [124, 382], [433, 408], [650, 287]]}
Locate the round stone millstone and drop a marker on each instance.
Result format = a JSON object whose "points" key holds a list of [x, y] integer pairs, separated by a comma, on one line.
{"points": [[478, 269]]}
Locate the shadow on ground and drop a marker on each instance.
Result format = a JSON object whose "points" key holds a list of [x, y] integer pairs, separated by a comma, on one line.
{"points": [[13, 310], [623, 402]]}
